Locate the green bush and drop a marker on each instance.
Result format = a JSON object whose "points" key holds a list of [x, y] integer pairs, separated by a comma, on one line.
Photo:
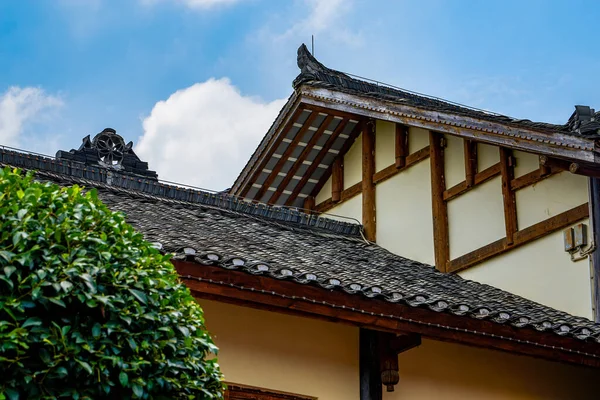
{"points": [[88, 309]]}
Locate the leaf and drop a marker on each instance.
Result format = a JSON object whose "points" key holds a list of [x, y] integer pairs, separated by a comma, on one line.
{"points": [[7, 255], [8, 270], [18, 236], [57, 301], [61, 372], [124, 379], [85, 366], [96, 331], [21, 213], [138, 294], [33, 321], [138, 391], [12, 394], [66, 285]]}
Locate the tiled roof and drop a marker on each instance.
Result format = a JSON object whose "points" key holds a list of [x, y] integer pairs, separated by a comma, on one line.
{"points": [[235, 238], [584, 122]]}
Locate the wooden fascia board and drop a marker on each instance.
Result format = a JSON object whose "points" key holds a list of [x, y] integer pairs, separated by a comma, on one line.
{"points": [[551, 144], [284, 296]]}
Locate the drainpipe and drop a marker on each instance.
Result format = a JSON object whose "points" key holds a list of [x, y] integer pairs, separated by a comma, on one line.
{"points": [[594, 189]]}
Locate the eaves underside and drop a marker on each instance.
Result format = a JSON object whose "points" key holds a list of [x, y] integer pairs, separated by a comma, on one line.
{"points": [[295, 157]]}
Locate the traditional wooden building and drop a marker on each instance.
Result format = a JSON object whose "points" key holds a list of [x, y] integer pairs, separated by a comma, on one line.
{"points": [[471, 271]]}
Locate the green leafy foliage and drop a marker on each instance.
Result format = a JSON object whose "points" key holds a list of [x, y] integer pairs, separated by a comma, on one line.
{"points": [[88, 309]]}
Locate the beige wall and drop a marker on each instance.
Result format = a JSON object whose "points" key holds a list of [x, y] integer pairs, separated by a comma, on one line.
{"points": [[286, 353], [445, 371], [320, 359], [541, 271]]}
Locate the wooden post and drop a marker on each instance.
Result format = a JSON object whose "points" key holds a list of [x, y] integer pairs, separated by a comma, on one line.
{"points": [[309, 204], [470, 161], [510, 206], [594, 189], [368, 186], [401, 145], [369, 365], [545, 170], [439, 206], [337, 179]]}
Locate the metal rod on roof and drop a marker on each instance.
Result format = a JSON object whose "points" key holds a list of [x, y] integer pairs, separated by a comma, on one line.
{"points": [[312, 47]]}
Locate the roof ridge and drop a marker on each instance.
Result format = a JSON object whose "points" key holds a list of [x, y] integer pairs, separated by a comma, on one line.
{"points": [[95, 175]]}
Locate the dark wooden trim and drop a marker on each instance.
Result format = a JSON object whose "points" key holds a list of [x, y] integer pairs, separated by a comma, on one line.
{"points": [[243, 392], [580, 169], [288, 297], [401, 149], [544, 169], [405, 342], [521, 237], [284, 157], [337, 179], [554, 163], [393, 170], [346, 195], [533, 177], [368, 185], [370, 376], [507, 171], [345, 148], [309, 146], [276, 142], [594, 189], [439, 207], [519, 138], [481, 177], [315, 164], [470, 154]]}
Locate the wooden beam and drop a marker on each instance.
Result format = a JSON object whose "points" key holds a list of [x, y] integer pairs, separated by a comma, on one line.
{"points": [[481, 177], [544, 169], [315, 163], [554, 163], [284, 157], [301, 158], [470, 153], [284, 296], [439, 206], [401, 145], [368, 186], [553, 144], [405, 342], [337, 179], [271, 149], [393, 170], [507, 170], [580, 169], [370, 378], [346, 195], [309, 204], [521, 237], [594, 196], [533, 177]]}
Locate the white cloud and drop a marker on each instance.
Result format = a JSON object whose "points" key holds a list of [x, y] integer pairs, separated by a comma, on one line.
{"points": [[194, 4], [328, 17], [203, 135], [21, 107]]}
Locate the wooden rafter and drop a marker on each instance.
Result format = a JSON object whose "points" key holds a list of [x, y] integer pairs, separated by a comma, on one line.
{"points": [[368, 186], [301, 158], [521, 237], [345, 147], [480, 177], [507, 171], [286, 154], [315, 163], [439, 206], [282, 296], [277, 141]]}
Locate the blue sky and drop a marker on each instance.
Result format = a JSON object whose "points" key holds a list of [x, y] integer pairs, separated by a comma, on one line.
{"points": [[196, 83]]}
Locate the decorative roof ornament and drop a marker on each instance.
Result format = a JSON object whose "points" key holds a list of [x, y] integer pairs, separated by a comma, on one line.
{"points": [[585, 122], [108, 150], [312, 70]]}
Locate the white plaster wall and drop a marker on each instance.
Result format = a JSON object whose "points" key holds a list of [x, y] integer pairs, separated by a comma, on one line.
{"points": [[476, 218], [325, 192], [550, 197], [487, 156], [454, 163], [525, 163], [353, 164], [404, 221], [446, 371], [351, 208], [541, 271], [417, 139], [385, 144]]}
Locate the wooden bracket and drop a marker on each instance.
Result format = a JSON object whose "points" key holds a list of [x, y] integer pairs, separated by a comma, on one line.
{"points": [[337, 179], [470, 150], [401, 145], [507, 168]]}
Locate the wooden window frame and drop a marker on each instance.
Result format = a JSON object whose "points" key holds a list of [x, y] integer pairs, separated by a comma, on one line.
{"points": [[236, 391]]}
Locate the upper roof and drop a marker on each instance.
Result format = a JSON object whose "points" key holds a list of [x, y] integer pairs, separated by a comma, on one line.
{"points": [[294, 159], [216, 229]]}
